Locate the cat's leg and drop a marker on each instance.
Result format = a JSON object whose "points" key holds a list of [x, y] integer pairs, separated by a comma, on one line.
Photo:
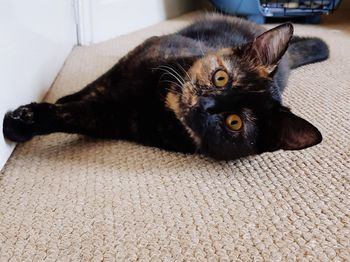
{"points": [[95, 90], [89, 117]]}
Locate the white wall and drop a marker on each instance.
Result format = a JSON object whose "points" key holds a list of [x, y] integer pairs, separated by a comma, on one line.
{"points": [[35, 38], [104, 19]]}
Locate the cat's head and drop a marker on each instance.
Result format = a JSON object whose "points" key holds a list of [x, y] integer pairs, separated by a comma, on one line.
{"points": [[230, 104]]}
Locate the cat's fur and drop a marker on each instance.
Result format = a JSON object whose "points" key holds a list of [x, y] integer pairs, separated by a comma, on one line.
{"points": [[161, 93]]}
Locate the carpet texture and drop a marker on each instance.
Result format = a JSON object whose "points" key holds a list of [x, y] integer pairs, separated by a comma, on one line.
{"points": [[70, 198]]}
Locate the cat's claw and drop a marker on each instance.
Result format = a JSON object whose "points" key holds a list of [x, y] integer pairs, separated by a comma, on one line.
{"points": [[18, 125]]}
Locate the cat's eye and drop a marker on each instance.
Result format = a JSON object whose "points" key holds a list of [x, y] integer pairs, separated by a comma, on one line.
{"points": [[220, 78], [234, 122]]}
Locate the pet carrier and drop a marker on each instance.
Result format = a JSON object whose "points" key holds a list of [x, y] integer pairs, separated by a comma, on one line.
{"points": [[258, 10]]}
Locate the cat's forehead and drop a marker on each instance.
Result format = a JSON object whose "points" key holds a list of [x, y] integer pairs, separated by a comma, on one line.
{"points": [[242, 72], [203, 68]]}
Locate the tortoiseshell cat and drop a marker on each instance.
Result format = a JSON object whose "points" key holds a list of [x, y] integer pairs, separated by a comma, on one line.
{"points": [[213, 88]]}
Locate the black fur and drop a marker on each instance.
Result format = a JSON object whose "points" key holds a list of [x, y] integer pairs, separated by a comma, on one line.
{"points": [[307, 50], [149, 97]]}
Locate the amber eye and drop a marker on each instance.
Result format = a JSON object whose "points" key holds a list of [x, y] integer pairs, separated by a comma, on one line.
{"points": [[220, 78], [234, 122]]}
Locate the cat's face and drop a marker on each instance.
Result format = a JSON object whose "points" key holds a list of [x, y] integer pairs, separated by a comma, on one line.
{"points": [[229, 101]]}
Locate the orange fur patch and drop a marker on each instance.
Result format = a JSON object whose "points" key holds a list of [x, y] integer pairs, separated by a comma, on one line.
{"points": [[172, 101], [225, 52]]}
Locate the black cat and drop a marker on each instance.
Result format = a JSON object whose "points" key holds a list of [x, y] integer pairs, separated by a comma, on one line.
{"points": [[213, 88]]}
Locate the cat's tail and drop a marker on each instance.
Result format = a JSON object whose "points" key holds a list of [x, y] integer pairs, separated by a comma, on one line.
{"points": [[307, 50]]}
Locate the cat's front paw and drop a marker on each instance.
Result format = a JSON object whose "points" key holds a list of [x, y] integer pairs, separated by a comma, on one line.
{"points": [[18, 125]]}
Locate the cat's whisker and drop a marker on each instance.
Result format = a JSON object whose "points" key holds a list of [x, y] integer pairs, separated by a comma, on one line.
{"points": [[194, 88], [179, 84], [173, 91], [200, 44], [190, 81], [180, 78], [171, 74], [176, 84], [183, 70], [164, 74]]}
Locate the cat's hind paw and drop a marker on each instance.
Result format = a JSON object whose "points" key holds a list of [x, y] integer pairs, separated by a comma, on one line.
{"points": [[18, 125]]}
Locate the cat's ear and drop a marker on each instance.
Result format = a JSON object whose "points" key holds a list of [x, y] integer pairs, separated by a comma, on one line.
{"points": [[268, 48], [289, 132]]}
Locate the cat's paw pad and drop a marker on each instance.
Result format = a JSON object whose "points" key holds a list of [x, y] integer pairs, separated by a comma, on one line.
{"points": [[23, 114], [18, 125]]}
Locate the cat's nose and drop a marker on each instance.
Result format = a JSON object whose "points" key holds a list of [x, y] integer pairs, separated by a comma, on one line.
{"points": [[207, 104]]}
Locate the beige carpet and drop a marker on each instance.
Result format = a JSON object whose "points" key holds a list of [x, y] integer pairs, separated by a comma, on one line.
{"points": [[68, 198]]}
